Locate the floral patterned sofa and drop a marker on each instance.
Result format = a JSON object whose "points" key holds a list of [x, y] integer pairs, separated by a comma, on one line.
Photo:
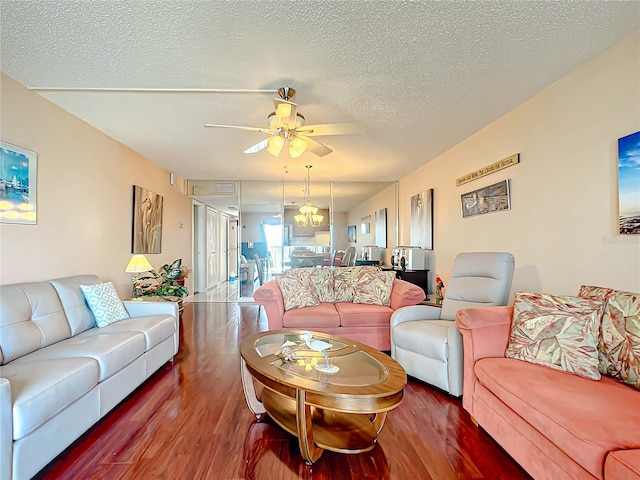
{"points": [[556, 381], [352, 302]]}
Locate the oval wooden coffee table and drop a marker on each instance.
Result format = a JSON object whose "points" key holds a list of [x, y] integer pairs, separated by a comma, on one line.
{"points": [[341, 412]]}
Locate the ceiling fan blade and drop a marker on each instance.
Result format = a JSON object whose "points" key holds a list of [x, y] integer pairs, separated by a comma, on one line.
{"points": [[250, 129], [332, 129], [316, 147], [258, 146]]}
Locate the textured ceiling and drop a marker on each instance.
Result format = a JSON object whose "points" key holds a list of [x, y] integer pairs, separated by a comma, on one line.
{"points": [[421, 76]]}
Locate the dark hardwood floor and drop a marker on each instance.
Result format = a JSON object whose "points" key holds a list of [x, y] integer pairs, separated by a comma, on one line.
{"points": [[190, 421]]}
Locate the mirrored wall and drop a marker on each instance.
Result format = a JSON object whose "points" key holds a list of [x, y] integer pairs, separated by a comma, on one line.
{"points": [[272, 228]]}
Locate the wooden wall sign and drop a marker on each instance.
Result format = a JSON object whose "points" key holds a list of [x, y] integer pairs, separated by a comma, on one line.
{"points": [[507, 162]]}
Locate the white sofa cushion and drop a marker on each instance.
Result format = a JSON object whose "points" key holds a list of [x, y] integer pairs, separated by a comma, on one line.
{"points": [[75, 306], [113, 351], [31, 317], [40, 390], [155, 328]]}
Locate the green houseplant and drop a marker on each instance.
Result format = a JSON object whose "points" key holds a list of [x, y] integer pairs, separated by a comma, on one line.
{"points": [[167, 282]]}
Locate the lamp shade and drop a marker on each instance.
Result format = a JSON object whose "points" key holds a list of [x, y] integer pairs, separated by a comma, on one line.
{"points": [[137, 264]]}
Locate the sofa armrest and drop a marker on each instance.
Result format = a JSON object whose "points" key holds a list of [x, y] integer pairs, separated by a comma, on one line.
{"points": [[6, 429], [413, 313], [270, 297], [144, 309], [485, 333], [140, 308], [404, 294], [622, 465]]}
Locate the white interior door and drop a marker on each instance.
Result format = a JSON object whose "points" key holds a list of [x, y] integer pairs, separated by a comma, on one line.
{"points": [[223, 271], [233, 263], [199, 248], [212, 230]]}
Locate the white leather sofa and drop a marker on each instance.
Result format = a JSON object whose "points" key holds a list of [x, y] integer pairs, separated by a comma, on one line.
{"points": [[60, 373]]}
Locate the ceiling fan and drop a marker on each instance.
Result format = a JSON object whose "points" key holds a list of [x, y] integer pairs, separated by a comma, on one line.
{"points": [[286, 127]]}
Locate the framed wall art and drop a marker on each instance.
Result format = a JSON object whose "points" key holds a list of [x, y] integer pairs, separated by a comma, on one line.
{"points": [[492, 198], [18, 177], [351, 234], [628, 182], [381, 228], [422, 219], [147, 221]]}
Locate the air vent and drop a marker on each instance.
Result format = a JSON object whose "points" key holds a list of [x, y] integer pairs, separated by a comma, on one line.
{"points": [[225, 187]]}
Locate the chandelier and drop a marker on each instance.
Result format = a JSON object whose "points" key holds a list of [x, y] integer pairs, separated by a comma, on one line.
{"points": [[308, 213]]}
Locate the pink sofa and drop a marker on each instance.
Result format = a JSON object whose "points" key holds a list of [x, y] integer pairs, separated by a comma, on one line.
{"points": [[364, 323], [555, 424]]}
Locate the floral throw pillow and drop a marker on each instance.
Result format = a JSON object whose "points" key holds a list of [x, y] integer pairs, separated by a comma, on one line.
{"points": [[620, 338], [297, 291], [321, 279], [345, 280], [560, 332], [602, 293], [374, 287]]}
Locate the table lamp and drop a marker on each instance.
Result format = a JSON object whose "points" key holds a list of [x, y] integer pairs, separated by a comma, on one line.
{"points": [[138, 264]]}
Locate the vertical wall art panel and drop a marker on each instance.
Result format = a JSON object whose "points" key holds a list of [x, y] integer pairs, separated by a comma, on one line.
{"points": [[629, 184], [147, 221], [381, 228], [17, 184], [422, 219], [351, 234]]}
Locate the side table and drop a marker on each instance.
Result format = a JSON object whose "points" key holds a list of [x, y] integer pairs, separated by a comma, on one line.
{"points": [[433, 302], [160, 298]]}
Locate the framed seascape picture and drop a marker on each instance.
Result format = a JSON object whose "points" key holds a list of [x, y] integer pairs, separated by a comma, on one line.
{"points": [[381, 228], [147, 221], [492, 198], [351, 234], [422, 219], [18, 169], [628, 182]]}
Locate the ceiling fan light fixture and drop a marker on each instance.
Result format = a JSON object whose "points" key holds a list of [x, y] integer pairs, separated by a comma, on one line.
{"points": [[274, 145], [285, 122], [297, 147], [283, 112]]}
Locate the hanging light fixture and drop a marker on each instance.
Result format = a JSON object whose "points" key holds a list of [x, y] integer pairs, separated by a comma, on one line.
{"points": [[284, 122], [308, 213]]}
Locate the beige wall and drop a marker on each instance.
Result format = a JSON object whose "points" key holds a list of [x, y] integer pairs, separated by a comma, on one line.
{"points": [[84, 198], [385, 199], [562, 226]]}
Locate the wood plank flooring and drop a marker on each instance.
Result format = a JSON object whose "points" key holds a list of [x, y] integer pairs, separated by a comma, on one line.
{"points": [[190, 421]]}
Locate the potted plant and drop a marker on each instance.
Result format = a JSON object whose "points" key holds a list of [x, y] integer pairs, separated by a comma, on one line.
{"points": [[167, 282]]}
